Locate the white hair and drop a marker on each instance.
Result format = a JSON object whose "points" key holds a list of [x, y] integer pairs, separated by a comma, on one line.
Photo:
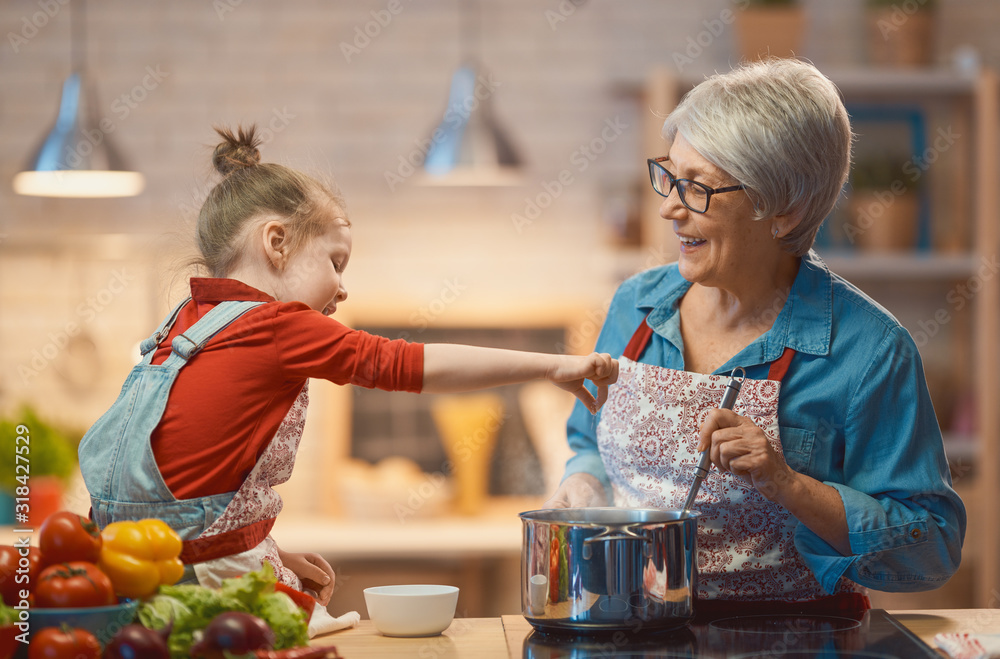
{"points": [[780, 128]]}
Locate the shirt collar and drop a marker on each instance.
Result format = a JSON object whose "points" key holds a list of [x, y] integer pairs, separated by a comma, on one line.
{"points": [[220, 289], [804, 323]]}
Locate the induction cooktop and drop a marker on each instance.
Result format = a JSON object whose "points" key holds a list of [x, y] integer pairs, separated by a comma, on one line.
{"points": [[877, 635]]}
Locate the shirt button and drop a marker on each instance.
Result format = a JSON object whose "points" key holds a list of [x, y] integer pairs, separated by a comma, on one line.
{"points": [[915, 533]]}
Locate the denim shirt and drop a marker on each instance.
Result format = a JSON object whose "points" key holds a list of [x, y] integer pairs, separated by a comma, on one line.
{"points": [[854, 413]]}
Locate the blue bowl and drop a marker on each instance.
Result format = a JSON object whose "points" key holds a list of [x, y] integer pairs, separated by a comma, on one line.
{"points": [[101, 621]]}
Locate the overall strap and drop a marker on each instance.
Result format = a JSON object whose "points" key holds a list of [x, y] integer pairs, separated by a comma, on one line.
{"points": [[780, 365], [149, 344], [186, 345], [639, 341], [643, 333]]}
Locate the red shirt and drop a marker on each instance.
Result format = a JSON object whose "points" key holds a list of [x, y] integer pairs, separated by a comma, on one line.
{"points": [[228, 401]]}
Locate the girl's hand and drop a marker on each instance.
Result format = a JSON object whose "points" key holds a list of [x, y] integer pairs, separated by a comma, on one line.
{"points": [[569, 372], [739, 446], [315, 573], [579, 490]]}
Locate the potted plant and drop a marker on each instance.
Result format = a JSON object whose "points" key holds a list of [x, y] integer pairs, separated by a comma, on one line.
{"points": [[44, 468], [884, 204], [900, 34], [770, 28]]}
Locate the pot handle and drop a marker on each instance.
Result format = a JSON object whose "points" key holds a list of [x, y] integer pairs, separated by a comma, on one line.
{"points": [[623, 533]]}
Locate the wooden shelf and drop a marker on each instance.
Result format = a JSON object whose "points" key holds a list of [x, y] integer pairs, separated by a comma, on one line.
{"points": [[900, 266], [972, 101], [896, 82], [961, 448]]}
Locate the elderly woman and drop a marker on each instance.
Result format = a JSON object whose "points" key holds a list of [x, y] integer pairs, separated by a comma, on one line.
{"points": [[829, 475]]}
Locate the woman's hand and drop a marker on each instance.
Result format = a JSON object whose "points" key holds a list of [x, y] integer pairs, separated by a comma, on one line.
{"points": [[738, 445], [578, 491], [570, 371], [315, 573]]}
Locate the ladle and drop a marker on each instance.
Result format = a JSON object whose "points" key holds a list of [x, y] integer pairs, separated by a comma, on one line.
{"points": [[728, 400]]}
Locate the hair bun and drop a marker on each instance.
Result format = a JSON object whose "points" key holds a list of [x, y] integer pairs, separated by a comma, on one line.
{"points": [[238, 150]]}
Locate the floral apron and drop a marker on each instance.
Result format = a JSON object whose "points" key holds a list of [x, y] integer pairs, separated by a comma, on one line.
{"points": [[648, 439], [224, 534], [257, 502]]}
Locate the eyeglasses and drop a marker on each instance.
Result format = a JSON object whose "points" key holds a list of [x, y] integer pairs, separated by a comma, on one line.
{"points": [[694, 195]]}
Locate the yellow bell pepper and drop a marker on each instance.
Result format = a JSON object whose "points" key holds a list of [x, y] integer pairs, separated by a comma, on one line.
{"points": [[140, 556]]}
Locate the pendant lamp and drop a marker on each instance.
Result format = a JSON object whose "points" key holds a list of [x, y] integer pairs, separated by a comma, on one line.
{"points": [[469, 147], [77, 157]]}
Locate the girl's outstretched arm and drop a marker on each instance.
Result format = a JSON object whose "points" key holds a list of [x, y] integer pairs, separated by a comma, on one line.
{"points": [[450, 368]]}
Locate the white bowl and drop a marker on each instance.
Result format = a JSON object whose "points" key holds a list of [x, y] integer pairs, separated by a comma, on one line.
{"points": [[416, 610]]}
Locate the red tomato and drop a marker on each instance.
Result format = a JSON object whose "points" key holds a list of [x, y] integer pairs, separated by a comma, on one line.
{"points": [[11, 581], [65, 643], [73, 584], [66, 536]]}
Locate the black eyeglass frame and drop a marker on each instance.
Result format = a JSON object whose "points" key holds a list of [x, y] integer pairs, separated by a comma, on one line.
{"points": [[654, 163]]}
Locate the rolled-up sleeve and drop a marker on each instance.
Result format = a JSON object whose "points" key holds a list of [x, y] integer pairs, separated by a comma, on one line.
{"points": [[906, 523], [310, 344], [581, 431]]}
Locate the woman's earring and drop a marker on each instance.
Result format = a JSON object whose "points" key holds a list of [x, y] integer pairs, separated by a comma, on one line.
{"points": [[774, 234]]}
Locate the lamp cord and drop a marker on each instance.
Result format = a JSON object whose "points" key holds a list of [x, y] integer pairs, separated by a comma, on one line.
{"points": [[470, 31], [78, 35]]}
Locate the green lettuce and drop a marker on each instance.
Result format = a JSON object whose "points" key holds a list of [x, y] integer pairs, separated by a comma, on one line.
{"points": [[286, 619], [192, 607], [8, 615]]}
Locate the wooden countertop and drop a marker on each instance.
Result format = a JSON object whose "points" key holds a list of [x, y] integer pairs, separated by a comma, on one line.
{"points": [[502, 638], [475, 638]]}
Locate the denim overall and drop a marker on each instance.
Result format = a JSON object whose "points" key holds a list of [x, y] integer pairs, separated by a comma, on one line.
{"points": [[124, 482]]}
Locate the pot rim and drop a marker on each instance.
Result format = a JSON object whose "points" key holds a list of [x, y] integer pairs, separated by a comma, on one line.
{"points": [[592, 516]]}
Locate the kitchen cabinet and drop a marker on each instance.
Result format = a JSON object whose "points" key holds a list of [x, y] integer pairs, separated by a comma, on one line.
{"points": [[945, 289]]}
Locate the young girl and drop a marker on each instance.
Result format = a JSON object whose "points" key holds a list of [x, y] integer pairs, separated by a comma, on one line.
{"points": [[211, 418]]}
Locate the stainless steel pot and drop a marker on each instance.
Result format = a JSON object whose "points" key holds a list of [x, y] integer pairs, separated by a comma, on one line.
{"points": [[607, 569]]}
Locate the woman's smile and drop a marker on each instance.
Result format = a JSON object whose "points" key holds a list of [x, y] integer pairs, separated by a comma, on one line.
{"points": [[690, 243]]}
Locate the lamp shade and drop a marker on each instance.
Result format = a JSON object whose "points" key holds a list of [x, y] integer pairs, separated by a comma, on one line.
{"points": [[77, 157], [469, 147]]}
